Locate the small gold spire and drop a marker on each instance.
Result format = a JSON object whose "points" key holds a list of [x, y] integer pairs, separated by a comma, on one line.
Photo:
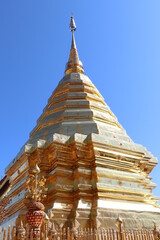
{"points": [[73, 64]]}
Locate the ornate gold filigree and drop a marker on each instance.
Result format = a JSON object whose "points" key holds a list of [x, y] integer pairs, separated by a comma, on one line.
{"points": [[36, 189]]}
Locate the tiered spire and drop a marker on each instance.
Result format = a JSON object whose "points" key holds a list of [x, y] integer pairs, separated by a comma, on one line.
{"points": [[73, 64]]}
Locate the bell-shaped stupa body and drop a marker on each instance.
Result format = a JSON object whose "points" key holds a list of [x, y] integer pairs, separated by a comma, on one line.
{"points": [[94, 171]]}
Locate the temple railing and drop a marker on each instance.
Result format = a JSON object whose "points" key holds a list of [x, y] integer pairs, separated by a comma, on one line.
{"points": [[52, 233]]}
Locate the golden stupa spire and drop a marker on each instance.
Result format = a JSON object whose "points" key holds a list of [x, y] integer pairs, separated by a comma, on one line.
{"points": [[73, 64]]}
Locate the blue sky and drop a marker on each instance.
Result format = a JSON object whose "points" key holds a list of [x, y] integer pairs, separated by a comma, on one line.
{"points": [[119, 45]]}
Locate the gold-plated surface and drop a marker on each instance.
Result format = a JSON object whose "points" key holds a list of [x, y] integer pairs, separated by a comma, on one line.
{"points": [[93, 170]]}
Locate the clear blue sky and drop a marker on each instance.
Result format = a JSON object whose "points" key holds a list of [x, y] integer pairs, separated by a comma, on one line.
{"points": [[119, 45]]}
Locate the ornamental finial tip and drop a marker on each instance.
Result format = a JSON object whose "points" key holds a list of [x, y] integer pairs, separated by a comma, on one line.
{"points": [[73, 64], [72, 25]]}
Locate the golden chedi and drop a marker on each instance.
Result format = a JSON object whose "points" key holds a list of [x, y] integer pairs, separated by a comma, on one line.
{"points": [[94, 171]]}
